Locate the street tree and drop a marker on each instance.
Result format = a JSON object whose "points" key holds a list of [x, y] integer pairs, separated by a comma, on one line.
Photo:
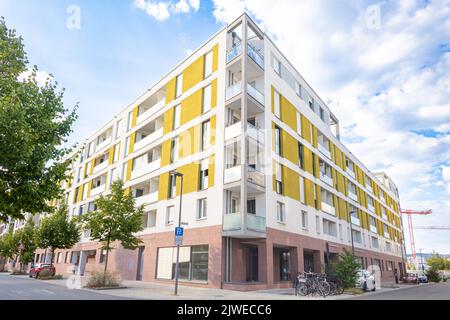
{"points": [[9, 246], [34, 127], [58, 231], [438, 262], [27, 243], [346, 269], [116, 219]]}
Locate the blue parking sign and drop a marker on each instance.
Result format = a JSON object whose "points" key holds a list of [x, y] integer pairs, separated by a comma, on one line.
{"points": [[179, 231]]}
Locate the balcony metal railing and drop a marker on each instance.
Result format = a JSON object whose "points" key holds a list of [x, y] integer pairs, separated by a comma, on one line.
{"points": [[258, 96], [256, 56], [234, 53]]}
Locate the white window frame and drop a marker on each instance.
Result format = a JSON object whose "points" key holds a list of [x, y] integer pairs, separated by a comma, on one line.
{"points": [[304, 217], [202, 209], [179, 86], [170, 211], [281, 217], [208, 64], [207, 96], [277, 104], [176, 116]]}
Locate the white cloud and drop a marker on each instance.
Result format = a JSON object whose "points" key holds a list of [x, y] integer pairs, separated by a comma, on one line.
{"points": [[41, 77], [384, 84], [162, 10]]}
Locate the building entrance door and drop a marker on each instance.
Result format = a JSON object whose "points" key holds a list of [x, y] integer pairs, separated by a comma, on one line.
{"points": [[140, 264], [251, 259]]}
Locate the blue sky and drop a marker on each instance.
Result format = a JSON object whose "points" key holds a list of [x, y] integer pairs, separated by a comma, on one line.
{"points": [[382, 66]]}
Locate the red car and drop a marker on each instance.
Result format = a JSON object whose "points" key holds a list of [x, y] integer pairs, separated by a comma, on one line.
{"points": [[410, 278], [39, 267]]}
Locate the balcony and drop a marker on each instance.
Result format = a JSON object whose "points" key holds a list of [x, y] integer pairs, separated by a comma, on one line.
{"points": [[233, 131], [351, 173], [145, 115], [255, 94], [371, 208], [327, 179], [233, 90], [103, 144], [255, 56], [373, 228], [255, 133], [152, 166], [234, 53], [149, 139], [234, 174], [328, 208], [100, 166], [352, 196], [324, 150], [232, 222], [96, 191], [387, 235], [355, 220], [147, 199]]}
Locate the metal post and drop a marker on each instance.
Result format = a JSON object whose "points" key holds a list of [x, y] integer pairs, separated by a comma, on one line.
{"points": [[351, 230], [421, 260], [179, 225]]}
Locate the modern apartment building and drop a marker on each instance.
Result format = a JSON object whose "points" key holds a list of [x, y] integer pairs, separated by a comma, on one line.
{"points": [[269, 189]]}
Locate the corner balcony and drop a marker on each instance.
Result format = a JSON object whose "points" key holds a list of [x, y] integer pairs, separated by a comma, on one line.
{"points": [[234, 174], [232, 222], [257, 57], [234, 131], [234, 52], [236, 89]]}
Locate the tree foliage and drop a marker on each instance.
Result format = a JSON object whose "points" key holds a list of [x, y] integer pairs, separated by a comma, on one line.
{"points": [[27, 239], [9, 246], [34, 126], [346, 269], [58, 231], [438, 262], [117, 219]]}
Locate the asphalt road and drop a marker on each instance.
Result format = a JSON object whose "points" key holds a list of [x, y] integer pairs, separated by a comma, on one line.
{"points": [[438, 291], [24, 288]]}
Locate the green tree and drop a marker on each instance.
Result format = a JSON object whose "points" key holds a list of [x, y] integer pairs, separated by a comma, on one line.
{"points": [[438, 262], [34, 126], [117, 219], [346, 269], [9, 247], [57, 231], [27, 243], [433, 275]]}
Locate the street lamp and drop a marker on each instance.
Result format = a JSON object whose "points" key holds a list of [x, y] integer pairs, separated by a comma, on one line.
{"points": [[174, 175], [351, 230]]}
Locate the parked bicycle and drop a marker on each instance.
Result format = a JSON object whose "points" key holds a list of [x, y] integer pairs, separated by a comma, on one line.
{"points": [[309, 283]]}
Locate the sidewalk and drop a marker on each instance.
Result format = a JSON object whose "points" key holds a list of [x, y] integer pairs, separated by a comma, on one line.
{"points": [[164, 291]]}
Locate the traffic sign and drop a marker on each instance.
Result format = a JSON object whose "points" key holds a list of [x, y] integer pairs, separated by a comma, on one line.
{"points": [[179, 231], [178, 240]]}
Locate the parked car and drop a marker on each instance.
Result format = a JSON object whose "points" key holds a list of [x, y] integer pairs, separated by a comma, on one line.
{"points": [[365, 280], [39, 267], [422, 278], [410, 278]]}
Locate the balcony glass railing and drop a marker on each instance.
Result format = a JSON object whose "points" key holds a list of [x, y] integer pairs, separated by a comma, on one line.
{"points": [[258, 96], [325, 178], [232, 221], [324, 150], [352, 196], [256, 56], [355, 221], [233, 90], [373, 228], [256, 177], [255, 223], [146, 114], [328, 208], [234, 53]]}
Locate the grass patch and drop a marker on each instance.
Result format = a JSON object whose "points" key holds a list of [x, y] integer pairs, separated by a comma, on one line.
{"points": [[354, 291], [55, 277]]}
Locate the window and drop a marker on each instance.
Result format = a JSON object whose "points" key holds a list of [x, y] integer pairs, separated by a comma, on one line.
{"points": [[90, 149], [276, 107], [149, 219], [206, 103], [302, 189], [318, 224], [59, 257], [278, 179], [251, 206], [125, 149], [298, 89], [357, 236], [118, 128], [280, 212], [277, 140], [204, 175], [208, 64], [66, 257], [374, 242], [179, 86], [206, 137], [277, 66], [130, 120], [174, 150], [322, 114], [329, 228], [202, 208], [79, 174], [170, 214], [176, 116], [193, 263], [172, 186], [299, 123], [304, 219], [311, 104], [300, 156]]}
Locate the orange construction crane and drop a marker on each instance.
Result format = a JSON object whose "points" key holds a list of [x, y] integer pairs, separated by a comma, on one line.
{"points": [[409, 213]]}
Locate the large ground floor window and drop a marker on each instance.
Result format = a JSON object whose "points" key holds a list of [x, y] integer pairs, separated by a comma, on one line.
{"points": [[193, 263]]}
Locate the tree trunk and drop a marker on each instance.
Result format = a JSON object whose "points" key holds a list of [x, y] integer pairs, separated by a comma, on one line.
{"points": [[106, 262], [4, 264]]}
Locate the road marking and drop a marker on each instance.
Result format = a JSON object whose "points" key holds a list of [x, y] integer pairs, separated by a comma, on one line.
{"points": [[43, 291]]}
